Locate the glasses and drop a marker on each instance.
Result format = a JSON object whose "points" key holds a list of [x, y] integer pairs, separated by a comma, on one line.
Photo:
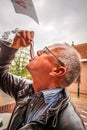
{"points": [[58, 60]]}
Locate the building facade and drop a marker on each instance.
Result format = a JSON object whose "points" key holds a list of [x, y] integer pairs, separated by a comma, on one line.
{"points": [[80, 86]]}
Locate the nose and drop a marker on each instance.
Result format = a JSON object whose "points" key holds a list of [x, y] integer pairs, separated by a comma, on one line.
{"points": [[39, 52]]}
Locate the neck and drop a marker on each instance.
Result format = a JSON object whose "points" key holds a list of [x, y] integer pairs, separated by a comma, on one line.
{"points": [[40, 85]]}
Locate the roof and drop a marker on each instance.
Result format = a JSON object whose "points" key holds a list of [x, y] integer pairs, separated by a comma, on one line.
{"points": [[82, 49]]}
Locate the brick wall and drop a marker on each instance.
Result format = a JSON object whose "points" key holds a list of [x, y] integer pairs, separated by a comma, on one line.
{"points": [[83, 83], [7, 108]]}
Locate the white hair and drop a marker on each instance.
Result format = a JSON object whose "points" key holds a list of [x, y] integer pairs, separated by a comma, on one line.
{"points": [[71, 59]]}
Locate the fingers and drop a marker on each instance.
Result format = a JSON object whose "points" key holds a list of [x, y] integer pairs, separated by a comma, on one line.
{"points": [[32, 35], [23, 34], [23, 39], [27, 36]]}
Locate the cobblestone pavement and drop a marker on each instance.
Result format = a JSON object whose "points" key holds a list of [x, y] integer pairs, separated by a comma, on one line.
{"points": [[81, 105]]}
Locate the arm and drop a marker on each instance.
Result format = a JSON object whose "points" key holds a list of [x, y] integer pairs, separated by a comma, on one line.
{"points": [[33, 126], [9, 83]]}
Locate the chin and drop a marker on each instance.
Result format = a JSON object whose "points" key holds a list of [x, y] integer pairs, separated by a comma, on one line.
{"points": [[29, 68]]}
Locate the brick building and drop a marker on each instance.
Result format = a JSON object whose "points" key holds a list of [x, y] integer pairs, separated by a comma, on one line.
{"points": [[82, 87]]}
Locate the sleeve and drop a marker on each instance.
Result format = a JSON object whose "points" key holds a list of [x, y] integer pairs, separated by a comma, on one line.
{"points": [[33, 126], [10, 83], [69, 119]]}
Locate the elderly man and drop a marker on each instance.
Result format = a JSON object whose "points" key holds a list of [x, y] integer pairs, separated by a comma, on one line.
{"points": [[43, 103]]}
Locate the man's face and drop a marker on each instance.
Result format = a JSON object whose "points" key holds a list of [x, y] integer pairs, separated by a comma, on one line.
{"points": [[42, 64], [45, 68]]}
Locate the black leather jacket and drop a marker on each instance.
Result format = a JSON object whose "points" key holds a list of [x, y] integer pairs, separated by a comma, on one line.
{"points": [[62, 116]]}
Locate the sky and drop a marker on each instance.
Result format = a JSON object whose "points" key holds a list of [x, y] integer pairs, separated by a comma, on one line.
{"points": [[59, 21]]}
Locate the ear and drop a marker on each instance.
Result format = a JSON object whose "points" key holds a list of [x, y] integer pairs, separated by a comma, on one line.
{"points": [[58, 71]]}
